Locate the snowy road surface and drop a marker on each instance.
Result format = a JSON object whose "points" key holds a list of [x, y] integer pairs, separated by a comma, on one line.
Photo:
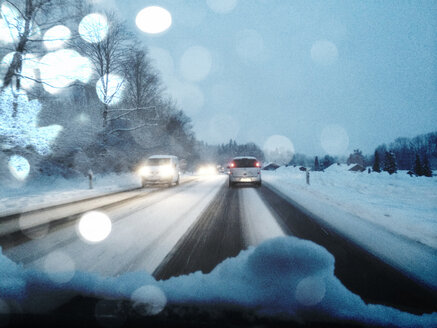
{"points": [[195, 226]]}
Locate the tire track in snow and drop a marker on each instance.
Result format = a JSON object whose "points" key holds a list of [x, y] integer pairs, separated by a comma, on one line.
{"points": [[235, 220]]}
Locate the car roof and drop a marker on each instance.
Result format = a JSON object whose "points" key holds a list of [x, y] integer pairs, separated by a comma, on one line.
{"points": [[241, 157], [163, 156]]}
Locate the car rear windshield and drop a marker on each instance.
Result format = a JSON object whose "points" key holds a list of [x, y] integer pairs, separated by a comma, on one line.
{"points": [[158, 161], [245, 162]]}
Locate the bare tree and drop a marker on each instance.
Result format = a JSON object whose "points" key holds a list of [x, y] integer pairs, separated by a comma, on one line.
{"points": [[142, 92], [143, 83], [26, 22], [107, 57]]}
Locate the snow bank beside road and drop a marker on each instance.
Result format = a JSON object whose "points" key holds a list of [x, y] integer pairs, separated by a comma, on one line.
{"points": [[392, 217], [50, 191], [282, 276], [401, 204]]}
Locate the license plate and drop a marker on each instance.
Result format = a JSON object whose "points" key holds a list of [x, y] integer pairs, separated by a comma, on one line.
{"points": [[246, 180]]}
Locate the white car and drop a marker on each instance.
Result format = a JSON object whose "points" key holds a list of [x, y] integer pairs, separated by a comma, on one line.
{"points": [[244, 169], [160, 169]]}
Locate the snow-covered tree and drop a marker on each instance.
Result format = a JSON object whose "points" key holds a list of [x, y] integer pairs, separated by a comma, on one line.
{"points": [[21, 130]]}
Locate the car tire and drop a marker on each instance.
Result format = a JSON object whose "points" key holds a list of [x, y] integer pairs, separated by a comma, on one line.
{"points": [[230, 184], [177, 181], [258, 184]]}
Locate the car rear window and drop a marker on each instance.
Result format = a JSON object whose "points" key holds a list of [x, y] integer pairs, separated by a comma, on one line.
{"points": [[245, 162], [158, 161]]}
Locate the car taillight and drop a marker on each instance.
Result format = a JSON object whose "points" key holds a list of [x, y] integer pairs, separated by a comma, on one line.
{"points": [[232, 164], [258, 164]]}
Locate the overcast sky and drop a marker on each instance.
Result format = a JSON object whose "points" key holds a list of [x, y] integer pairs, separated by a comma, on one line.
{"points": [[330, 76]]}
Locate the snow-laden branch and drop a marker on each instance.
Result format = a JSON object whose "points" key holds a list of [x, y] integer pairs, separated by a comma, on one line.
{"points": [[132, 129]]}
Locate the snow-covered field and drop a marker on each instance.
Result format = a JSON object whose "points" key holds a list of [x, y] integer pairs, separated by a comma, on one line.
{"points": [[393, 216], [49, 191]]}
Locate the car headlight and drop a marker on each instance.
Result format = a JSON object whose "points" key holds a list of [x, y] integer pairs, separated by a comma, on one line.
{"points": [[144, 171], [166, 171]]}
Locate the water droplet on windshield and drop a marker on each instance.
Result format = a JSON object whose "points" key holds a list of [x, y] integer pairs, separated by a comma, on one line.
{"points": [[94, 226], [148, 300]]}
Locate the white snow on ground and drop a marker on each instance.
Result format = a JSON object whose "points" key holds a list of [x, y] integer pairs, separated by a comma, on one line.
{"points": [[50, 191], [283, 276], [393, 216]]}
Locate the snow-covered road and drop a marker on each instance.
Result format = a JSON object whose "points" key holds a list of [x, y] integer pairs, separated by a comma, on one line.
{"points": [[195, 226], [145, 228]]}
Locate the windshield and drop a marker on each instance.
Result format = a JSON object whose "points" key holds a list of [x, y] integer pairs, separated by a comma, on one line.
{"points": [[244, 162], [157, 161], [218, 163]]}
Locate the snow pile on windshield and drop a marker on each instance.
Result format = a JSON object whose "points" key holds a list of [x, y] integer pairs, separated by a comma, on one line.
{"points": [[284, 276]]}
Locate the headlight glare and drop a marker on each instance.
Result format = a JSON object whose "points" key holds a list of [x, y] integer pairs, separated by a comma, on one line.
{"points": [[166, 171]]}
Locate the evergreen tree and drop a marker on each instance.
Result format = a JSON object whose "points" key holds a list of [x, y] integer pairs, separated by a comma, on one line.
{"points": [[390, 162], [376, 165], [426, 170], [316, 164], [418, 166], [327, 161]]}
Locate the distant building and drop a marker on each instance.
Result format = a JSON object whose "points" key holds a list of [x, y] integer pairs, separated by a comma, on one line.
{"points": [[357, 168]]}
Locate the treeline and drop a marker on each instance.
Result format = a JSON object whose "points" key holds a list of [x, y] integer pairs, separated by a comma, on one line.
{"points": [[96, 134], [222, 154], [416, 155]]}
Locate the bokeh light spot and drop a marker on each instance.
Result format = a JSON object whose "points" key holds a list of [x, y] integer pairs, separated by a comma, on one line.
{"points": [[196, 63], [189, 96], [223, 125], [334, 139], [19, 167], [250, 46], [278, 149], [56, 37], [153, 20], [59, 266], [57, 75], [28, 70], [222, 6], [94, 226], [148, 300], [163, 61], [93, 28], [109, 89], [324, 52], [310, 291]]}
